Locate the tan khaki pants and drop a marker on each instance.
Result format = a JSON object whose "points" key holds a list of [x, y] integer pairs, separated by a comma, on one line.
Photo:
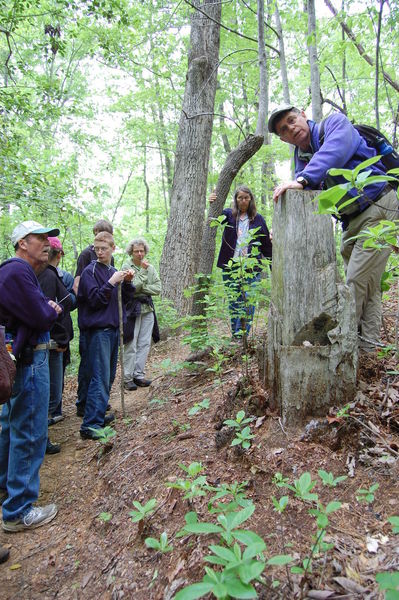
{"points": [[365, 266]]}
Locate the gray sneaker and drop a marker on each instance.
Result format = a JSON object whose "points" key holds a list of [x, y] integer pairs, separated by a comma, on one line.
{"points": [[36, 517]]}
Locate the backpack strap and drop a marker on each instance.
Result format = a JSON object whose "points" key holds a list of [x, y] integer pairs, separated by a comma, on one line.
{"points": [[321, 131]]}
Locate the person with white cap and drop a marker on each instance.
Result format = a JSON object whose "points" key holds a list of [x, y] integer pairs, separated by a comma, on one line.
{"points": [[27, 316]]}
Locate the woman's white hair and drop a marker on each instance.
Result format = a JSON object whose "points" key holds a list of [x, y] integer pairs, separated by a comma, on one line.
{"points": [[137, 242]]}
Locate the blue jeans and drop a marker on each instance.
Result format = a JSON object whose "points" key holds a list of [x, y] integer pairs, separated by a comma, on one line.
{"points": [[241, 305], [84, 369], [103, 347], [24, 435], [56, 381]]}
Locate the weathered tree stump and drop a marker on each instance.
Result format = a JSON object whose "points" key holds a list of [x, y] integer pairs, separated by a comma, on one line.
{"points": [[312, 333]]}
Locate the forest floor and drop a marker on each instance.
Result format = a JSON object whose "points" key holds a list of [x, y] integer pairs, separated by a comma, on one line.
{"points": [[93, 549]]}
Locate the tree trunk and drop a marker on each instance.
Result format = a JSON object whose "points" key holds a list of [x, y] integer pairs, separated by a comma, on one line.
{"points": [[312, 332], [317, 113], [180, 256]]}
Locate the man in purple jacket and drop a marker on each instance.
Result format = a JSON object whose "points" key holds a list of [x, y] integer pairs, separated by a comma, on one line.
{"points": [[27, 316], [343, 147]]}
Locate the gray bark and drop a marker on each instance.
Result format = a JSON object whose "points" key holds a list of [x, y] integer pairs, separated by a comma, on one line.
{"points": [[261, 126], [317, 113], [312, 332], [283, 62], [180, 256]]}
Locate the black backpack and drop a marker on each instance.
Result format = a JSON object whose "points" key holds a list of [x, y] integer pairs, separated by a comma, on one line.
{"points": [[375, 139]]}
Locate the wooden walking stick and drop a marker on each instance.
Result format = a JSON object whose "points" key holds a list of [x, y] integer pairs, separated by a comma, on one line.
{"points": [[121, 355]]}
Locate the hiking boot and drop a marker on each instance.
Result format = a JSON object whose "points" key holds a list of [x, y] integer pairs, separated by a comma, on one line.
{"points": [[87, 434], [108, 419], [142, 382], [3, 496], [130, 386], [4, 554], [52, 448], [36, 517], [56, 419]]}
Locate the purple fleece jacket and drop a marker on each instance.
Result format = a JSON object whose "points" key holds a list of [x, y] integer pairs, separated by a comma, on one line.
{"points": [[343, 147], [24, 310], [229, 240], [98, 299]]}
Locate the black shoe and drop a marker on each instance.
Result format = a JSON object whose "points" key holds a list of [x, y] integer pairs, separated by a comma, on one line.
{"points": [[109, 407], [80, 411], [88, 435], [4, 554], [130, 386], [142, 382], [52, 448], [108, 419]]}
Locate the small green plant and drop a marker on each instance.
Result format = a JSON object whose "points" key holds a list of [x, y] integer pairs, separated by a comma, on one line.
{"points": [[194, 485], [281, 504], [180, 426], [389, 582], [162, 545], [104, 435], [240, 566], [105, 517], [142, 512], [343, 412], [198, 407], [329, 480], [158, 401], [367, 495], [235, 490], [128, 420], [303, 487], [243, 434], [394, 521], [279, 480]]}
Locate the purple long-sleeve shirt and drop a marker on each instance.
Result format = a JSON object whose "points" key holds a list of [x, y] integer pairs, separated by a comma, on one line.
{"points": [[98, 299], [24, 310], [343, 147]]}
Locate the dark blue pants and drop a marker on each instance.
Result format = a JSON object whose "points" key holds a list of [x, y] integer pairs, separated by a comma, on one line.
{"points": [[241, 304], [102, 346]]}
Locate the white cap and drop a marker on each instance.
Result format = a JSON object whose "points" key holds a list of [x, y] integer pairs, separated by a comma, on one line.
{"points": [[27, 227]]}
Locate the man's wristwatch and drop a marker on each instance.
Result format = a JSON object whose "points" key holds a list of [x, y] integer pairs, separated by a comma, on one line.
{"points": [[302, 181]]}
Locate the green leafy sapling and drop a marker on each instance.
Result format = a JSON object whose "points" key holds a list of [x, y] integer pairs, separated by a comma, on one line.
{"points": [[198, 407], [161, 545], [329, 480], [243, 435], [194, 485], [394, 521], [389, 582], [235, 490], [303, 487], [142, 512], [281, 504], [367, 495], [105, 517], [104, 435], [279, 480]]}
